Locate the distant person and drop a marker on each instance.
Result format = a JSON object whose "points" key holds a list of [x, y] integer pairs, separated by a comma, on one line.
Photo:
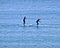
{"points": [[37, 22], [24, 21]]}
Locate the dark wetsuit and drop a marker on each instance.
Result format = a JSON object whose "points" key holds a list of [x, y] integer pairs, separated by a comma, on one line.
{"points": [[37, 22], [24, 20]]}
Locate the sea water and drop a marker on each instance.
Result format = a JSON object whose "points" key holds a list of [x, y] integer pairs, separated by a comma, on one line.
{"points": [[14, 35]]}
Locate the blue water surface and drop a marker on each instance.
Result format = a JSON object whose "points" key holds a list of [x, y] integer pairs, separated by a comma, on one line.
{"points": [[14, 35]]}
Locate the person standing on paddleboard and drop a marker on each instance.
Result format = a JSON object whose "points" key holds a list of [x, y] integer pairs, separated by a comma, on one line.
{"points": [[37, 22], [24, 21]]}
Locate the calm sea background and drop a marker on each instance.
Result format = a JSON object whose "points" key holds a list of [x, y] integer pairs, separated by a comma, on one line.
{"points": [[14, 35]]}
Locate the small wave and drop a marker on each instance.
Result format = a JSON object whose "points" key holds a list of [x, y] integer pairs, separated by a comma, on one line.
{"points": [[30, 25]]}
